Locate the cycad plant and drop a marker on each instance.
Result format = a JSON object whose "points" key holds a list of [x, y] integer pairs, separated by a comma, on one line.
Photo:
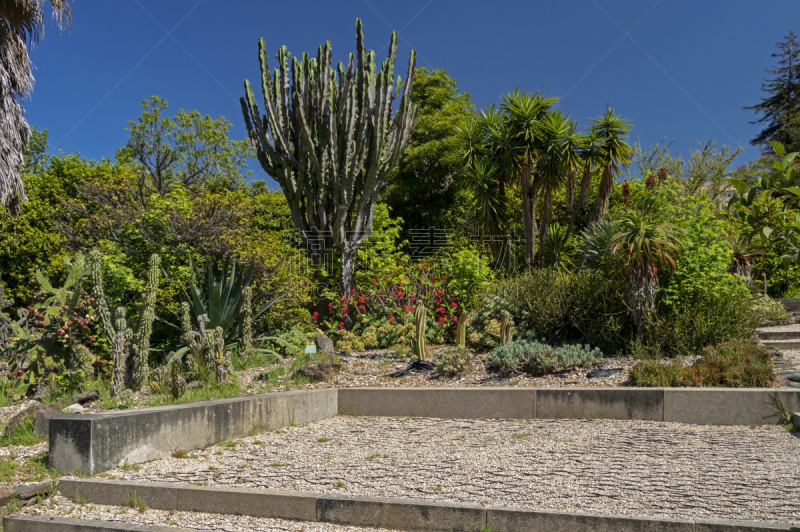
{"points": [[595, 243], [643, 245]]}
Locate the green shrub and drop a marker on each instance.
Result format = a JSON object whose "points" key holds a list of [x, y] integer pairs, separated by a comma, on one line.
{"points": [[538, 358], [584, 306], [708, 321], [736, 363], [453, 361], [768, 309]]}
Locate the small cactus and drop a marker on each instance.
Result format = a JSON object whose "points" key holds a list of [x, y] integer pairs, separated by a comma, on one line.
{"points": [[418, 342], [506, 328], [461, 329], [246, 319]]}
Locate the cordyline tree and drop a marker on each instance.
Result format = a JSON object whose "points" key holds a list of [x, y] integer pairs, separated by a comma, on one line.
{"points": [[21, 22], [330, 139]]}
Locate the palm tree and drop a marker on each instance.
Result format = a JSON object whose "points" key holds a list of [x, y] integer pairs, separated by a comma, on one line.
{"points": [[22, 23], [525, 112], [612, 131], [592, 158], [643, 245], [482, 177], [550, 169]]}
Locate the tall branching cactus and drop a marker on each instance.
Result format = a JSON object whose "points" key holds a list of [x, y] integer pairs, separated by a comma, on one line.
{"points": [[461, 329], [330, 140], [126, 343], [418, 341]]}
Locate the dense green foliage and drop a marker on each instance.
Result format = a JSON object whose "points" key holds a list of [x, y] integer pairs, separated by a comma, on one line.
{"points": [[736, 363]]}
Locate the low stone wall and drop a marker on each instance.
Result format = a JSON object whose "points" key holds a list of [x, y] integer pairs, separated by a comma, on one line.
{"points": [[377, 512], [702, 406], [97, 442]]}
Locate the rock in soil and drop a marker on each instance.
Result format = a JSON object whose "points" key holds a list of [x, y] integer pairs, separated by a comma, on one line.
{"points": [[324, 344], [40, 414], [597, 373], [317, 372], [6, 495], [74, 408], [29, 491]]}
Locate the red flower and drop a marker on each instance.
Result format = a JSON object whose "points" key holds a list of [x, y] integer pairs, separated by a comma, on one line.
{"points": [[391, 318], [455, 319], [353, 291], [374, 281], [330, 305], [341, 325], [344, 312], [440, 321], [444, 277], [441, 310], [452, 304]]}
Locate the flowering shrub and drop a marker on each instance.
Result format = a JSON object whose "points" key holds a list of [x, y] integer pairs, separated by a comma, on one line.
{"points": [[538, 358]]}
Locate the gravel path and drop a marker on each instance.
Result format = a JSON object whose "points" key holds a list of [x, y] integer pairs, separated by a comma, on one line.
{"points": [[601, 466], [223, 523], [361, 369]]}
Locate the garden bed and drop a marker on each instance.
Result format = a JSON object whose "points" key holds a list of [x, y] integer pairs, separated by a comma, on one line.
{"points": [[619, 467]]}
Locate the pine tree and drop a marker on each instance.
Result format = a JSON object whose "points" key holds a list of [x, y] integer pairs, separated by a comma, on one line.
{"points": [[783, 96]]}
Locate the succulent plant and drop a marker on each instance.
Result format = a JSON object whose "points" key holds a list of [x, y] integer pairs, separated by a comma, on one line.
{"points": [[330, 138], [506, 328], [537, 357], [132, 344], [246, 321], [461, 329], [418, 341]]}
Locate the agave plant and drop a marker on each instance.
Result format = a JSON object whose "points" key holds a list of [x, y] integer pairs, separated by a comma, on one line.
{"points": [[219, 294], [595, 249]]}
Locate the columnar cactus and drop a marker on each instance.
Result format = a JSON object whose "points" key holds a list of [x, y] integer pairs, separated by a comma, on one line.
{"points": [[461, 329], [418, 342], [126, 343], [144, 325], [246, 320], [330, 140], [506, 328], [186, 317]]}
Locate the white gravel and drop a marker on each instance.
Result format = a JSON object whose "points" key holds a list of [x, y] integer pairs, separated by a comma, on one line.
{"points": [[602, 466]]}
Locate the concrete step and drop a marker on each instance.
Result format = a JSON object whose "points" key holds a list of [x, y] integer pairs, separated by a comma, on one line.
{"points": [[783, 345], [766, 334]]}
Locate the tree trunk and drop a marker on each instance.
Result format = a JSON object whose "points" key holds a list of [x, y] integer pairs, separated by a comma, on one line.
{"points": [[528, 216], [570, 192], [586, 186], [603, 194], [547, 214], [640, 292], [348, 281]]}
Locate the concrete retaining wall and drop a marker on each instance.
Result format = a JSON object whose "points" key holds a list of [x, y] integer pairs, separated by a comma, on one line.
{"points": [[380, 512], [702, 406], [97, 442]]}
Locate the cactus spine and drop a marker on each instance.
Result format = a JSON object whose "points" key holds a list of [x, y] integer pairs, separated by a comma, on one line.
{"points": [[418, 342], [461, 329], [126, 343], [246, 319], [506, 328]]}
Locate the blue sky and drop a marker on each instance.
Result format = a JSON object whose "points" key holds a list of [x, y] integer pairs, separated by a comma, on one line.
{"points": [[675, 68]]}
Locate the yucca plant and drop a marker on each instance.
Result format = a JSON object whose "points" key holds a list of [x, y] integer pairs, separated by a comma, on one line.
{"points": [[643, 245], [556, 248]]}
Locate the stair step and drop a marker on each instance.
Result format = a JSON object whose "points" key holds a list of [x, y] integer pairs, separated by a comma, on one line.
{"points": [[778, 335], [783, 345]]}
